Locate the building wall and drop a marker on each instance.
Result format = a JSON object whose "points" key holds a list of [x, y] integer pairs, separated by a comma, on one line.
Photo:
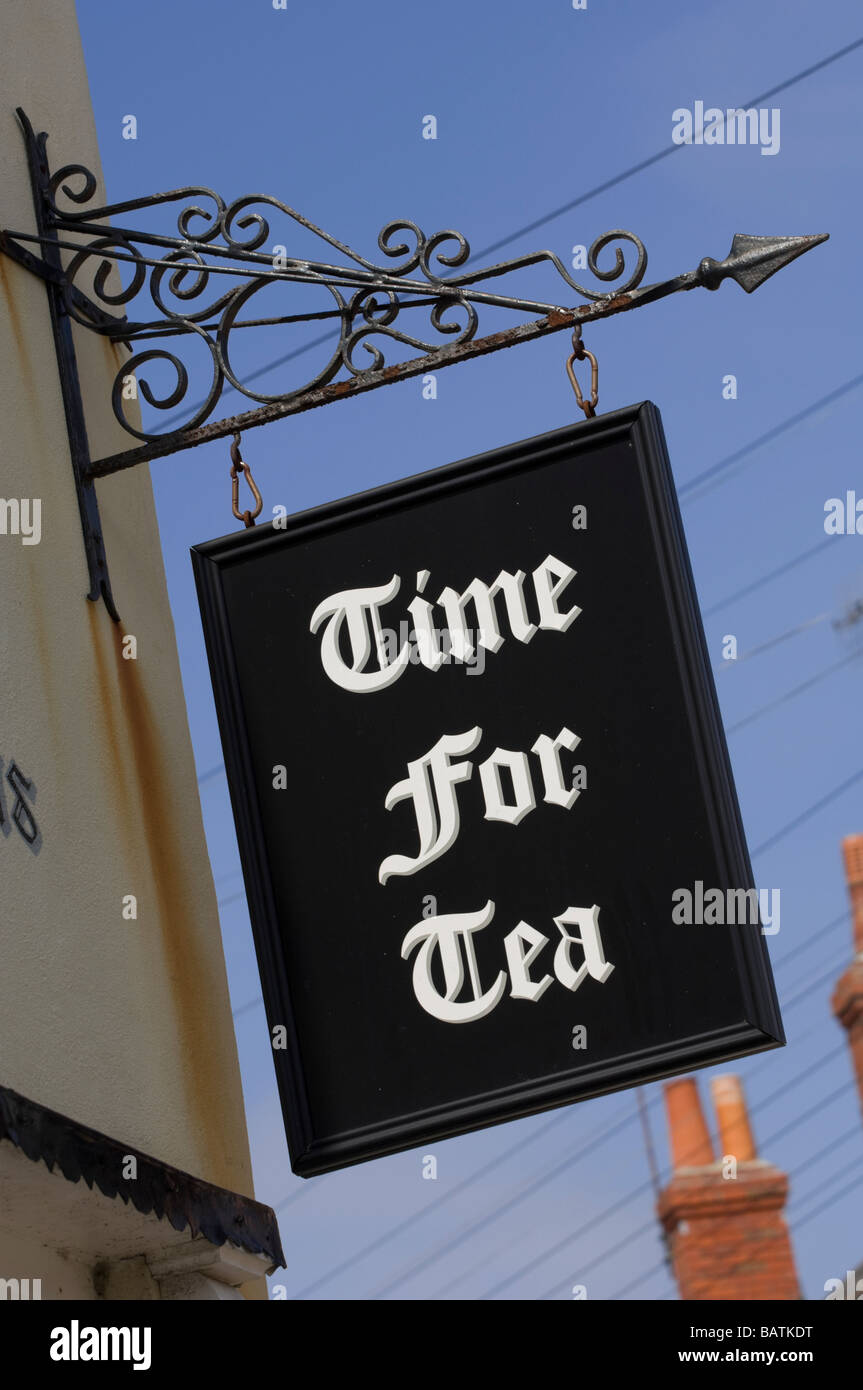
{"points": [[123, 1024]]}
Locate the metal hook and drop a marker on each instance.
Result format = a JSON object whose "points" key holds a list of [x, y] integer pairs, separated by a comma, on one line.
{"points": [[247, 517], [579, 353]]}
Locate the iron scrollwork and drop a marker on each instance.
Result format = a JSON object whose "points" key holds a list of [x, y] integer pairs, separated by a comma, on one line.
{"points": [[218, 240]]}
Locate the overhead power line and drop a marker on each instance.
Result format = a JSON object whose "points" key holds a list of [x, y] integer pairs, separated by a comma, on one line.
{"points": [[855, 1163], [210, 774], [610, 1130], [795, 1173], [809, 812], [232, 898], [690, 486], [526, 1190], [811, 940], [831, 1202], [806, 987], [481, 1222], [793, 693], [767, 578], [548, 217], [649, 1225], [771, 642], [765, 845], [717, 473], [439, 1201], [660, 154]]}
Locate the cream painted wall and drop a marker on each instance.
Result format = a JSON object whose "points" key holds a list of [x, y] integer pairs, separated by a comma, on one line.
{"points": [[124, 1025]]}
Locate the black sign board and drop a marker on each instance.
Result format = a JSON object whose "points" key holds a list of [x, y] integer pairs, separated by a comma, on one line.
{"points": [[477, 765]]}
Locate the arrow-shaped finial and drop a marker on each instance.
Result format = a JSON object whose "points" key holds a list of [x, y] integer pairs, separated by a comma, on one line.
{"points": [[753, 259]]}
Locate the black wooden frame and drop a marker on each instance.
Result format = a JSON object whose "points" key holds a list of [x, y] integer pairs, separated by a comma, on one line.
{"points": [[763, 1027]]}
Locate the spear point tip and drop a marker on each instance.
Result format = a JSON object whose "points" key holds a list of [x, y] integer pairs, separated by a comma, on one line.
{"points": [[753, 259]]}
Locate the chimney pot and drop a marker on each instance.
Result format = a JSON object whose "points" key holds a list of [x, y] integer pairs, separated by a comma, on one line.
{"points": [[852, 853], [735, 1133], [691, 1145]]}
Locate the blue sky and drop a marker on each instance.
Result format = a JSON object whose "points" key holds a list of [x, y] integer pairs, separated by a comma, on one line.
{"points": [[322, 105]]}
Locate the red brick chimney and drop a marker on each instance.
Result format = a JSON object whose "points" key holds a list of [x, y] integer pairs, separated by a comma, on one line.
{"points": [[848, 996], [722, 1216]]}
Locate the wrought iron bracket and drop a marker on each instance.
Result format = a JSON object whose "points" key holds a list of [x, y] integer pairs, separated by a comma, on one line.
{"points": [[62, 306], [219, 239]]}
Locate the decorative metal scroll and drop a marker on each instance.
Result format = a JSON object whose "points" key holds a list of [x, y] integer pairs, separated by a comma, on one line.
{"points": [[220, 241], [217, 242], [202, 282]]}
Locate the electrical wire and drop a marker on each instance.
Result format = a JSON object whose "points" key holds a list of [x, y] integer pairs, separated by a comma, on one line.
{"points": [[479, 1224], [827, 1183], [509, 1152], [793, 693], [766, 578], [661, 154], [824, 1205], [808, 813], [810, 1162], [533, 1186], [686, 489], [810, 941], [649, 1225], [179, 419], [611, 1129], [705, 482], [771, 642]]}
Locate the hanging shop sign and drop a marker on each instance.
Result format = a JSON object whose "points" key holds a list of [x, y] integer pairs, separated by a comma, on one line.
{"points": [[477, 765]]}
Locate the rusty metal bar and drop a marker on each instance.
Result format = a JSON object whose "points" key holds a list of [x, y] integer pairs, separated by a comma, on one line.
{"points": [[368, 298], [751, 261], [355, 386]]}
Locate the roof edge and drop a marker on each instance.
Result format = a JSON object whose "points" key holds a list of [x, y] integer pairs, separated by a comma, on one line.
{"points": [[169, 1193]]}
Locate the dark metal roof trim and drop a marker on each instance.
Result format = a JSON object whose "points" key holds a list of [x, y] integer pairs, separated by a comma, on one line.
{"points": [[169, 1193]]}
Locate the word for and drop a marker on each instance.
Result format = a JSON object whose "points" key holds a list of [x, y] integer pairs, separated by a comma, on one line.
{"points": [[844, 518], [449, 939], [732, 127], [733, 906], [22, 817], [432, 779], [21, 517], [356, 614], [76, 1343]]}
